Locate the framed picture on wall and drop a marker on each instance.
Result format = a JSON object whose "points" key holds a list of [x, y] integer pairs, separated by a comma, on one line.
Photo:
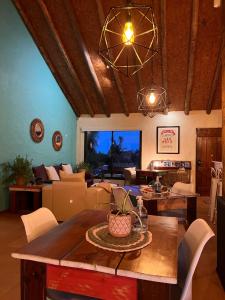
{"points": [[37, 130], [168, 139], [57, 140]]}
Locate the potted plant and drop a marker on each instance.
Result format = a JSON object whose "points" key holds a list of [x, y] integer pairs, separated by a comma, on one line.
{"points": [[19, 171], [120, 221], [83, 166]]}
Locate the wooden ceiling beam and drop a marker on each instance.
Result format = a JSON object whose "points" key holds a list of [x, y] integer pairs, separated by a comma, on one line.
{"points": [[163, 46], [46, 57], [139, 85], [84, 56], [215, 78], [192, 50], [113, 72], [66, 58]]}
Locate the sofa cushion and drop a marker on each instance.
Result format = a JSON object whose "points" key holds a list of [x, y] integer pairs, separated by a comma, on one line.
{"points": [[40, 173], [52, 174], [58, 168], [67, 168], [75, 177]]}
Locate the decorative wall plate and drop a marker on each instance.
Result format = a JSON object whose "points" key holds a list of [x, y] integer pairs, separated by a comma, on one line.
{"points": [[57, 140], [37, 130]]}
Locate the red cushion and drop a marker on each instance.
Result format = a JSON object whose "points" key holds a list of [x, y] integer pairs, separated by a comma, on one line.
{"points": [[40, 172]]}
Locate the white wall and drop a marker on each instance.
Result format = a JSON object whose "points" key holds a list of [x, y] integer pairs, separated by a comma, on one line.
{"points": [[187, 123]]}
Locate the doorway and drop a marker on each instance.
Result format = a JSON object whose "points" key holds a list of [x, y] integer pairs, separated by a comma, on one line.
{"points": [[208, 149]]}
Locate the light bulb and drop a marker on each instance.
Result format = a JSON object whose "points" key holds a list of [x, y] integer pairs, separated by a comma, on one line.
{"points": [[152, 98], [128, 33]]}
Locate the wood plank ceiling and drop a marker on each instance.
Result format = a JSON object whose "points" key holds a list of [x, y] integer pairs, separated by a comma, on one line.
{"points": [[188, 64]]}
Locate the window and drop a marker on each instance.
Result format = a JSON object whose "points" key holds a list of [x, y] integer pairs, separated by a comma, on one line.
{"points": [[109, 152]]}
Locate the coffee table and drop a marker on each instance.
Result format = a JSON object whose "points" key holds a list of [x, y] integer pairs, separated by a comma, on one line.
{"points": [[152, 203]]}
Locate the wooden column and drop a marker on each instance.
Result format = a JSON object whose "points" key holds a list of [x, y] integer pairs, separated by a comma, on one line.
{"points": [[223, 96]]}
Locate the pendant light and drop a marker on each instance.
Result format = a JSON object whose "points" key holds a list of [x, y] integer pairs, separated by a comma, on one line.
{"points": [[129, 38], [152, 100]]}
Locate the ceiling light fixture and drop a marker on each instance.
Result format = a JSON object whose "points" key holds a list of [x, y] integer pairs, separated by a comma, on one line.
{"points": [[152, 101], [129, 38]]}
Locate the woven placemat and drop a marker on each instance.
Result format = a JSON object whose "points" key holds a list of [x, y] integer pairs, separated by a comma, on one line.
{"points": [[99, 236]]}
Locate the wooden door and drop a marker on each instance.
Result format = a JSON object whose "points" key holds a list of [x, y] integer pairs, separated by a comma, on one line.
{"points": [[208, 148]]}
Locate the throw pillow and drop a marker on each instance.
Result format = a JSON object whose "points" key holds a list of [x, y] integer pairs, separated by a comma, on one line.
{"points": [[58, 168], [52, 174], [67, 168], [75, 177], [40, 173]]}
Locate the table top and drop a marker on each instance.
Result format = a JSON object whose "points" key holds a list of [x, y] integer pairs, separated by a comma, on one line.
{"points": [[152, 171], [66, 245], [135, 191], [25, 188]]}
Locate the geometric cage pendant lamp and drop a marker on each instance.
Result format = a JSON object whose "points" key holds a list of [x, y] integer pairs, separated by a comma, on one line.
{"points": [[129, 38], [152, 101]]}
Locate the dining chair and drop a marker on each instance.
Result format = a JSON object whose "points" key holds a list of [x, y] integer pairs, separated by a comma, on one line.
{"points": [[119, 193], [38, 222], [189, 252]]}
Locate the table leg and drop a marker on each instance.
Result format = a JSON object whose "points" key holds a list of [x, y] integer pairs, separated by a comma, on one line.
{"points": [[151, 206], [36, 200], [33, 280], [191, 209], [154, 290], [13, 201]]}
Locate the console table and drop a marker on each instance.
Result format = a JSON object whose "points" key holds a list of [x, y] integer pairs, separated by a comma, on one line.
{"points": [[146, 175], [20, 193]]}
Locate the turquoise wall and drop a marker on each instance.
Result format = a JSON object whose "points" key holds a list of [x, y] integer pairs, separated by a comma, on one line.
{"points": [[28, 90]]}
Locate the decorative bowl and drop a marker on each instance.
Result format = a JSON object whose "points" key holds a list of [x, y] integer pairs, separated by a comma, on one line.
{"points": [[147, 192]]}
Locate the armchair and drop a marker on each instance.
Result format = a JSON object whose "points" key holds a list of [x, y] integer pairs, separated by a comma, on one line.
{"points": [[129, 176]]}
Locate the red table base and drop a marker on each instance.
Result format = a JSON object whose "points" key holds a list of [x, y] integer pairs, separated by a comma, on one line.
{"points": [[91, 283]]}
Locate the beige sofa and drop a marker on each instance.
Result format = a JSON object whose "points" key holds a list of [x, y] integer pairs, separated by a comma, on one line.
{"points": [[65, 199]]}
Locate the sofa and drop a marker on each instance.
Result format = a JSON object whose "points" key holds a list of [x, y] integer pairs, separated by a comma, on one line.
{"points": [[65, 199]]}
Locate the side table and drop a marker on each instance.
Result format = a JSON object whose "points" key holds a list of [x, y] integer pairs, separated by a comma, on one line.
{"points": [[34, 190]]}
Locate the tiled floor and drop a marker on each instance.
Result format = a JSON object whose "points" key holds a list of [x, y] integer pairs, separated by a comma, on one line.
{"points": [[206, 284]]}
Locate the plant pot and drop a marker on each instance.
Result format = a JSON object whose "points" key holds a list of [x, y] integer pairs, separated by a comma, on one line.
{"points": [[20, 180], [119, 225]]}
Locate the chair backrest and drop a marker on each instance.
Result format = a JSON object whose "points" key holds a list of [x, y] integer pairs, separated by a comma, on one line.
{"points": [[119, 194], [129, 175], [182, 188], [38, 222], [190, 250]]}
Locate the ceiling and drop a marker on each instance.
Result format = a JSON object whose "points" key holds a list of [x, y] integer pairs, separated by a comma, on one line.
{"points": [[187, 65]]}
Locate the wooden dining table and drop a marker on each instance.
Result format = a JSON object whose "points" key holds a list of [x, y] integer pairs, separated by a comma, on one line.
{"points": [[63, 260]]}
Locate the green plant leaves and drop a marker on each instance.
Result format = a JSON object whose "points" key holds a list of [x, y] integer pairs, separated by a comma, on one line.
{"points": [[20, 167]]}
